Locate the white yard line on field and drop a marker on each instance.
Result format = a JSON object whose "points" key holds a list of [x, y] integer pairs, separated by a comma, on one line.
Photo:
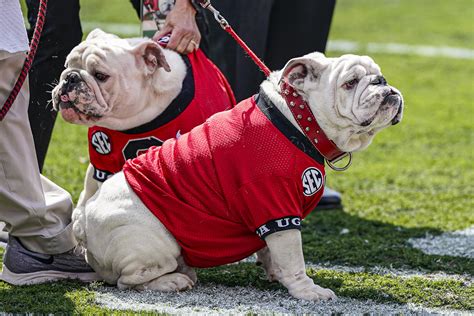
{"points": [[384, 271], [345, 46], [222, 300], [213, 299], [124, 29], [457, 244], [401, 49], [402, 273]]}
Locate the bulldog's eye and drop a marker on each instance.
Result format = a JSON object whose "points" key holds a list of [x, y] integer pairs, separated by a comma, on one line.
{"points": [[350, 84], [100, 76]]}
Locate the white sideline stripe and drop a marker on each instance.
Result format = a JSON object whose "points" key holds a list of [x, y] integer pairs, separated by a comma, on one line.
{"points": [[120, 28], [401, 49], [384, 271], [333, 45], [214, 299], [457, 244], [402, 273]]}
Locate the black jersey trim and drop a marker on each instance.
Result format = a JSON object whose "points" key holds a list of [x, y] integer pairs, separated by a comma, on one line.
{"points": [[101, 175], [286, 128], [278, 225], [176, 107]]}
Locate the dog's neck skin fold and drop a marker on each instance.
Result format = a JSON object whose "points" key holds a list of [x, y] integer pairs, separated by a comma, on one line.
{"points": [[344, 138], [160, 89]]}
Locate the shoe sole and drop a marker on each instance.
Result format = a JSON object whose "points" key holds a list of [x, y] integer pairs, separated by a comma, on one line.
{"points": [[335, 206], [3, 236], [45, 276]]}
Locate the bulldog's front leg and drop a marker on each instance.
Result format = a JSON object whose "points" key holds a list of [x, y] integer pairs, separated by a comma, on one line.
{"points": [[90, 187], [288, 266]]}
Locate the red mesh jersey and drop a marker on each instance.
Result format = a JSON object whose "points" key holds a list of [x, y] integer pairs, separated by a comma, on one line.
{"points": [[242, 174], [205, 92]]}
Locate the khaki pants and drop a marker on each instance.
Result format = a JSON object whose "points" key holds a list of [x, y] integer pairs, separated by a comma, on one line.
{"points": [[34, 209]]}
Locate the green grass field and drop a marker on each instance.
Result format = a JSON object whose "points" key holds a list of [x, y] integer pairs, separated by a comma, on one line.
{"points": [[415, 179]]}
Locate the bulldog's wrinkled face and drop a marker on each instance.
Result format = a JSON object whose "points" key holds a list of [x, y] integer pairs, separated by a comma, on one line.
{"points": [[103, 78], [349, 96]]}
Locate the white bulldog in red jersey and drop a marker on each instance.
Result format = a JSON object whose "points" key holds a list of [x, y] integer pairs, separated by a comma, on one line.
{"points": [[238, 184], [134, 94]]}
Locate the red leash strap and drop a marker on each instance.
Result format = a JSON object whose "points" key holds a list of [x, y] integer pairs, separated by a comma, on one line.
{"points": [[247, 49], [298, 107], [29, 59], [206, 4]]}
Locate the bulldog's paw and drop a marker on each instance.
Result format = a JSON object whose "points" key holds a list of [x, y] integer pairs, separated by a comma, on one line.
{"points": [[313, 293], [265, 261], [172, 282], [79, 225]]}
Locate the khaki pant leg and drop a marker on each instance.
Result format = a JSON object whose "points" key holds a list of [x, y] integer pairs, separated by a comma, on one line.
{"points": [[34, 209]]}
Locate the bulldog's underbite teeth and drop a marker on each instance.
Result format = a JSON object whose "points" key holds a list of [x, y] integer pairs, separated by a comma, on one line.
{"points": [[67, 108]]}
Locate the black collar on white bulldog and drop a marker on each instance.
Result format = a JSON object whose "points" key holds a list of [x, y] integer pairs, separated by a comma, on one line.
{"points": [[305, 118], [286, 127], [176, 107]]}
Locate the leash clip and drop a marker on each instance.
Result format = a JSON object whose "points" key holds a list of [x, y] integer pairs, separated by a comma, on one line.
{"points": [[153, 12], [331, 163], [206, 4]]}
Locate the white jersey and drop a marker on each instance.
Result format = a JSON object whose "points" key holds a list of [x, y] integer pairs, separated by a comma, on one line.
{"points": [[13, 36]]}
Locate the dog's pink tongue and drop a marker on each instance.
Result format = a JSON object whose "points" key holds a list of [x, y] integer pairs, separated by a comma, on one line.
{"points": [[64, 98]]}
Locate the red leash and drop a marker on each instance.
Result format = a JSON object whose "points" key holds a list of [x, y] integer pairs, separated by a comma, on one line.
{"points": [[247, 49], [29, 59], [206, 4], [298, 107]]}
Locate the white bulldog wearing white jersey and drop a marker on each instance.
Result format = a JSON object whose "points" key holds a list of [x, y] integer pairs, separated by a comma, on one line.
{"points": [[144, 231]]}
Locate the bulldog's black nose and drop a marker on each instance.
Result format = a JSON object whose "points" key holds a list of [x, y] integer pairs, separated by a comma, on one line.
{"points": [[72, 78], [379, 80]]}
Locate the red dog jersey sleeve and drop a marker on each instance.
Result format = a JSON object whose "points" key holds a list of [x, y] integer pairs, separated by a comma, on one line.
{"points": [[224, 186], [205, 92]]}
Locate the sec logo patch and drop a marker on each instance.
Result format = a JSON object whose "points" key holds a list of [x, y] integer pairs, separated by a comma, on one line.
{"points": [[101, 143], [313, 181]]}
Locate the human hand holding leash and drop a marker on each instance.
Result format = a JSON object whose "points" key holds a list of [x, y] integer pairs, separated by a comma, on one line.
{"points": [[181, 23]]}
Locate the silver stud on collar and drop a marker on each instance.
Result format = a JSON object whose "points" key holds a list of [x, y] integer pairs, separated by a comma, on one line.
{"points": [[307, 129], [286, 92], [299, 117], [315, 140], [309, 119], [295, 94], [292, 103], [317, 131], [302, 106]]}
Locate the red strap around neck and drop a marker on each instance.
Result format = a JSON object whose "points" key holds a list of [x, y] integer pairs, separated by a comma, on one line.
{"points": [[308, 124]]}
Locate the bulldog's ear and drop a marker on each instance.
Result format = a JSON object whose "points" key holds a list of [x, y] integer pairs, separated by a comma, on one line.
{"points": [[304, 70], [151, 55]]}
